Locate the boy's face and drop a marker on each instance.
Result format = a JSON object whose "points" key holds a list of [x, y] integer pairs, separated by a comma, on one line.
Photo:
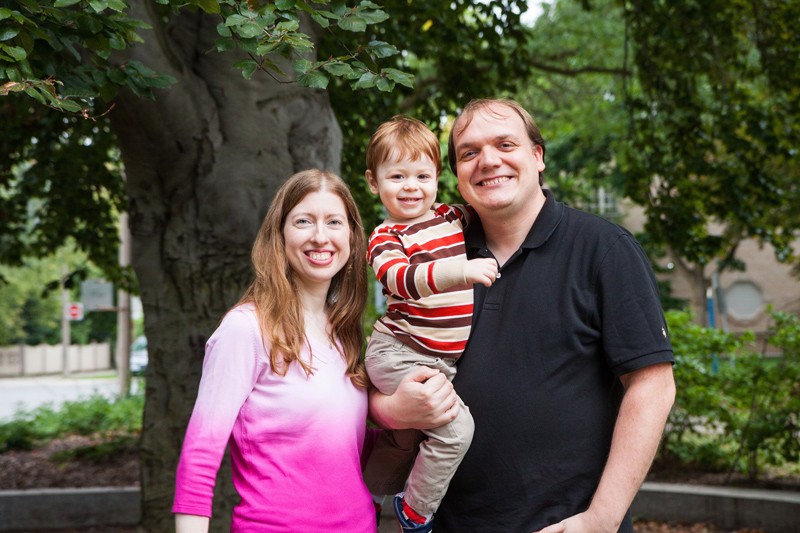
{"points": [[407, 188]]}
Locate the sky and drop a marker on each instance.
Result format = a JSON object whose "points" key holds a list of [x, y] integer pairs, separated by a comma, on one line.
{"points": [[534, 10]]}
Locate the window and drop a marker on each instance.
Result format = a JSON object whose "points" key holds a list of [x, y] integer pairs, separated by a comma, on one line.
{"points": [[744, 300]]}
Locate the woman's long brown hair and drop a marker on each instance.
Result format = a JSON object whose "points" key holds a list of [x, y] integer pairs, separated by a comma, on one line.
{"points": [[273, 291]]}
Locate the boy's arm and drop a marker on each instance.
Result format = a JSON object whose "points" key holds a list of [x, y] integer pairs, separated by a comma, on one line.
{"points": [[407, 281], [399, 277]]}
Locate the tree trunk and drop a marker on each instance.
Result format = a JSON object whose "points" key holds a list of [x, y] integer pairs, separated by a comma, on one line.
{"points": [[202, 161]]}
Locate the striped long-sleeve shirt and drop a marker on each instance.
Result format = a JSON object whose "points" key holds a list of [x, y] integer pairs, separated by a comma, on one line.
{"points": [[421, 268]]}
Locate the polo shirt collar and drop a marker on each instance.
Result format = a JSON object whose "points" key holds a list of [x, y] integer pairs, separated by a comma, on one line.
{"points": [[545, 224]]}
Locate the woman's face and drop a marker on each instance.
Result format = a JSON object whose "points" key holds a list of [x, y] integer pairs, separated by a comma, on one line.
{"points": [[317, 237]]}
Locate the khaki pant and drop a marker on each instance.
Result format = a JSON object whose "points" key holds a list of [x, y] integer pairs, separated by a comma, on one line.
{"points": [[388, 361]]}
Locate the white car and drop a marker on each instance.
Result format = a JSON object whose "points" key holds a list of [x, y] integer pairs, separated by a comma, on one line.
{"points": [[138, 361]]}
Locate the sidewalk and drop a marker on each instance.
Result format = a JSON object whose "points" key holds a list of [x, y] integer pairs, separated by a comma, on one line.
{"points": [[29, 392]]}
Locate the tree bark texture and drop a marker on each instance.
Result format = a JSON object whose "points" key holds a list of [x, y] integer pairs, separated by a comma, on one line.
{"points": [[202, 162]]}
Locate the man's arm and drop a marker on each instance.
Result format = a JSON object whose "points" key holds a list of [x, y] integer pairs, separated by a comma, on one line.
{"points": [[649, 395]]}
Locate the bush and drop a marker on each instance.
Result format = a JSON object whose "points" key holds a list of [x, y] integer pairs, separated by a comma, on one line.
{"points": [[95, 414], [736, 409]]}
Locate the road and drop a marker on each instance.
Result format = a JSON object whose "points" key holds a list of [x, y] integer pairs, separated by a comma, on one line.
{"points": [[30, 392]]}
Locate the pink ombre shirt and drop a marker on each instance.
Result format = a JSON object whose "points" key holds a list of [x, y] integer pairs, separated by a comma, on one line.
{"points": [[295, 441]]}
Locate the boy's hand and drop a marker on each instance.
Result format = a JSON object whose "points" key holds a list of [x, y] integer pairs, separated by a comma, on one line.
{"points": [[482, 270]]}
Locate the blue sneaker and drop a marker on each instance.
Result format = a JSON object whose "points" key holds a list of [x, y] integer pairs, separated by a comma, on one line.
{"points": [[407, 525]]}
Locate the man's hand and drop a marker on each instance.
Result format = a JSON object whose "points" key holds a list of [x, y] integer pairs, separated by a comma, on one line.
{"points": [[581, 523], [424, 399], [482, 270]]}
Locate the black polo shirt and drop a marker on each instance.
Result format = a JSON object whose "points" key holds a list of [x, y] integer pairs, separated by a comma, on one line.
{"points": [[576, 307]]}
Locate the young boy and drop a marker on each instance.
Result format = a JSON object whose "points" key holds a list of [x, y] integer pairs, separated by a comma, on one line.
{"points": [[419, 257]]}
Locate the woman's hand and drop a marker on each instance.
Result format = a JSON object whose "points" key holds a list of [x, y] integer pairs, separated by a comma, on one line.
{"points": [[424, 399]]}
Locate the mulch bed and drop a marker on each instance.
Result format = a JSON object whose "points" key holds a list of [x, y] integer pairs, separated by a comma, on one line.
{"points": [[37, 468]]}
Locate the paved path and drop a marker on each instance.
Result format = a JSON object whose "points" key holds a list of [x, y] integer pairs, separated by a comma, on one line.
{"points": [[30, 392]]}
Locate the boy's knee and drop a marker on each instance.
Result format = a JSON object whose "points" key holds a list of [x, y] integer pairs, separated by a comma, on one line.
{"points": [[466, 429]]}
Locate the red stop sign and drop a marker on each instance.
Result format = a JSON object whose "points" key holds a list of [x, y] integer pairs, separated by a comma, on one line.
{"points": [[75, 311]]}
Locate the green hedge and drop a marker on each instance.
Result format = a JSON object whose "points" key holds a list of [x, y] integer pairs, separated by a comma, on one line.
{"points": [[737, 406]]}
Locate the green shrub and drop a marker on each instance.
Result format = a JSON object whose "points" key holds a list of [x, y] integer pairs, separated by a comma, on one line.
{"points": [[95, 414], [735, 408], [17, 435]]}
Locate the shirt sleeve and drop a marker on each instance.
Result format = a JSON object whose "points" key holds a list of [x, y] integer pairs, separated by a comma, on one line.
{"points": [[230, 370], [634, 329], [398, 276]]}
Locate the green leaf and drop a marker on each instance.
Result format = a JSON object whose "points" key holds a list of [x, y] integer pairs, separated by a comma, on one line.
{"points": [[235, 20], [314, 79], [117, 5], [381, 49], [384, 85], [12, 74], [98, 5], [248, 30], [398, 76], [31, 5], [302, 66], [7, 34], [65, 3], [117, 42], [266, 47], [366, 81], [17, 53], [289, 25], [339, 7], [117, 76], [225, 44], [248, 67], [223, 30], [69, 105], [30, 91], [338, 68], [247, 45], [209, 6], [299, 42], [374, 17], [354, 23], [5, 13], [319, 19], [284, 4], [161, 82]]}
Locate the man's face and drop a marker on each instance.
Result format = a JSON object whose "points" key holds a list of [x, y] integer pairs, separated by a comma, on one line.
{"points": [[496, 163]]}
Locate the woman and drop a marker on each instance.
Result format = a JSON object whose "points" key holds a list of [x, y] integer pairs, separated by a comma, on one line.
{"points": [[282, 378]]}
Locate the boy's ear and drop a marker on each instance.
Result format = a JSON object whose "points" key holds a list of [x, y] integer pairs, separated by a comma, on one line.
{"points": [[371, 181]]}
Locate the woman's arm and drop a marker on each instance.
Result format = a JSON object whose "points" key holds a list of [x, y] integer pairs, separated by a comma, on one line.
{"points": [[191, 523], [424, 399]]}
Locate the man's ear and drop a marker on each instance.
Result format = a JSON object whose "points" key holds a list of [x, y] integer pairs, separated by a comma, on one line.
{"points": [[371, 181]]}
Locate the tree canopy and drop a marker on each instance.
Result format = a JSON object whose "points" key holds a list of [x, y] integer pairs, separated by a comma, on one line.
{"points": [[714, 125]]}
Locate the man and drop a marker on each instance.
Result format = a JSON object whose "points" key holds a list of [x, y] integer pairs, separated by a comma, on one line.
{"points": [[568, 371]]}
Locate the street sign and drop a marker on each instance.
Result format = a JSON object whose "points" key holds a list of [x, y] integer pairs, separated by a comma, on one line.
{"points": [[74, 311], [97, 295]]}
